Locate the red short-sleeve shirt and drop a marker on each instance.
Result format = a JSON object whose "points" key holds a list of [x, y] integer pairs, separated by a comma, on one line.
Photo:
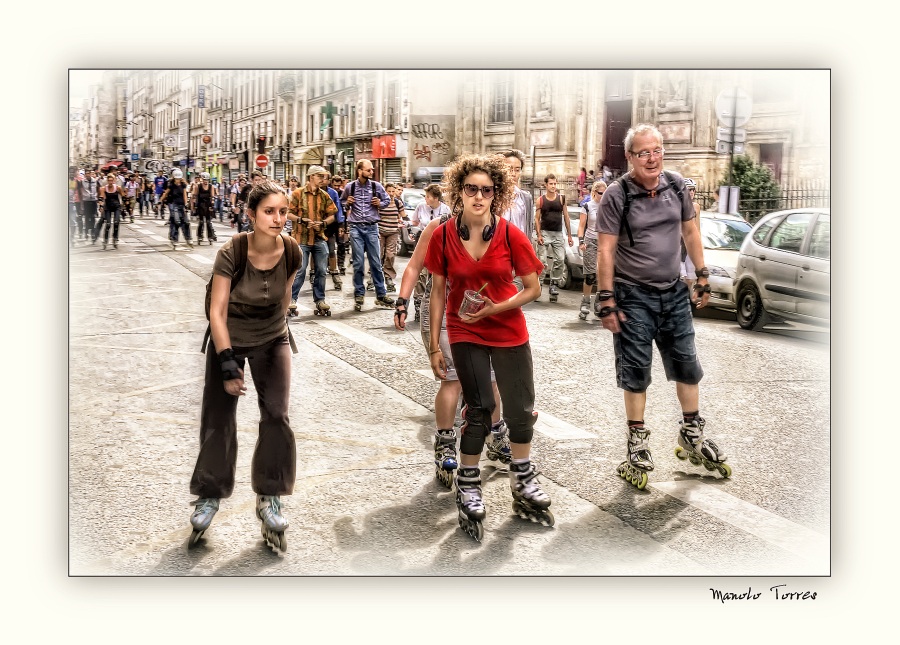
{"points": [[506, 329]]}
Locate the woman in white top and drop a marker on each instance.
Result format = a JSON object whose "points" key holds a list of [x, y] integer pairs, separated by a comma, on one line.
{"points": [[587, 233]]}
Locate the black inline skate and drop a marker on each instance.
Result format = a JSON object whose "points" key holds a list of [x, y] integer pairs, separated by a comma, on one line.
{"points": [[554, 291], [358, 302], [445, 457], [530, 501], [693, 446], [469, 503], [639, 462]]}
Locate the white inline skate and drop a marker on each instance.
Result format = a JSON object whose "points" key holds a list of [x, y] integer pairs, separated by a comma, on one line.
{"points": [[639, 462], [497, 443], [445, 457], [696, 448], [205, 509], [585, 307], [268, 509]]}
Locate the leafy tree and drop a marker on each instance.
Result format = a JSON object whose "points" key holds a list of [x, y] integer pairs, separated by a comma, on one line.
{"points": [[760, 193]]}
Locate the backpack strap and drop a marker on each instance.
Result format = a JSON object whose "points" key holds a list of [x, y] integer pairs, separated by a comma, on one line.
{"points": [[241, 244], [626, 206], [444, 249], [292, 251]]}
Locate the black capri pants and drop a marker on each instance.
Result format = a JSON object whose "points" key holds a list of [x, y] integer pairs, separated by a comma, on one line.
{"points": [[514, 373]]}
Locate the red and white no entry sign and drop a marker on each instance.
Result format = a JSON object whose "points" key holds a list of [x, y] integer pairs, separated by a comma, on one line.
{"points": [[262, 161]]}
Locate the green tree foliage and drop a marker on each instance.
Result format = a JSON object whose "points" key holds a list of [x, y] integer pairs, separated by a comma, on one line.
{"points": [[760, 193]]}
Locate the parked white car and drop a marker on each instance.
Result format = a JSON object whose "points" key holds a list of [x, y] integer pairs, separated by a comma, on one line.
{"points": [[722, 236], [784, 269]]}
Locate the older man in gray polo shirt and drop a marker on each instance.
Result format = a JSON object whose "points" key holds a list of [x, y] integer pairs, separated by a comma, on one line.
{"points": [[643, 300]]}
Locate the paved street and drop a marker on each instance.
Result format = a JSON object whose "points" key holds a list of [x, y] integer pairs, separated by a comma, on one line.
{"points": [[366, 501]]}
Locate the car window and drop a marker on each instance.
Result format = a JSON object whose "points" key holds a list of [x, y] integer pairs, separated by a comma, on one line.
{"points": [[790, 233], [723, 234], [760, 236], [820, 244], [411, 200]]}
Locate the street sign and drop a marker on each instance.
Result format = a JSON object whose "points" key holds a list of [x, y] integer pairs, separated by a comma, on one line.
{"points": [[724, 134], [733, 107], [135, 156], [206, 139], [261, 161], [201, 96], [724, 148], [170, 140]]}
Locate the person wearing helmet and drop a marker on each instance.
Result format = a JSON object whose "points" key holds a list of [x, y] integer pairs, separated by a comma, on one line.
{"points": [[174, 197], [202, 196], [687, 267]]}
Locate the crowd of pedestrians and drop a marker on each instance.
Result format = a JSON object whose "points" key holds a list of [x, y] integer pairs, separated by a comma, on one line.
{"points": [[473, 269]]}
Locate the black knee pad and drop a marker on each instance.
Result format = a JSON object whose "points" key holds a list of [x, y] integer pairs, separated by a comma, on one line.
{"points": [[521, 429], [474, 430], [590, 278]]}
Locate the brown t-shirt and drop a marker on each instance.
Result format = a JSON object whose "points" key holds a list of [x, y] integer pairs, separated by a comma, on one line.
{"points": [[255, 314]]}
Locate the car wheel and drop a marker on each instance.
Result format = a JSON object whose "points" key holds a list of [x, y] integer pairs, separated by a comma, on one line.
{"points": [[750, 312]]}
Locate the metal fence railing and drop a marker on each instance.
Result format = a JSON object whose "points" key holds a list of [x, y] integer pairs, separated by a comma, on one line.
{"points": [[754, 206]]}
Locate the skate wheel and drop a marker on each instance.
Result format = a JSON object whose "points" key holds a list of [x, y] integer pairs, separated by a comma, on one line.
{"points": [[709, 465], [680, 453], [547, 518], [724, 470], [641, 481], [695, 460], [195, 537]]}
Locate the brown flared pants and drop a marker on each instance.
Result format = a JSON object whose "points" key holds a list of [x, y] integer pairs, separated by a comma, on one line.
{"points": [[274, 464]]}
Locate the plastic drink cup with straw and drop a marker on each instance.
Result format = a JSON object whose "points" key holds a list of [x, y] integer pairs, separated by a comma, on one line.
{"points": [[472, 302]]}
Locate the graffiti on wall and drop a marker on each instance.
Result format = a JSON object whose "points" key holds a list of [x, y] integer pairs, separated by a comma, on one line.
{"points": [[431, 140]]}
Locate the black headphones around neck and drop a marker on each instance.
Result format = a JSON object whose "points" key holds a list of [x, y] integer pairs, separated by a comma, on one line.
{"points": [[463, 231]]}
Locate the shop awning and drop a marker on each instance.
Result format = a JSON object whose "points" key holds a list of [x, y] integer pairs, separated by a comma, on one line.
{"points": [[113, 163], [308, 155]]}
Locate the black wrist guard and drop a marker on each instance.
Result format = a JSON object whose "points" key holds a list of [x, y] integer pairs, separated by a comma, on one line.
{"points": [[229, 365], [605, 311], [603, 296], [702, 288], [702, 272], [400, 302]]}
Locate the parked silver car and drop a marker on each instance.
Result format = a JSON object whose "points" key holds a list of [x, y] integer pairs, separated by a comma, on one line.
{"points": [[411, 197], [722, 235], [784, 269]]}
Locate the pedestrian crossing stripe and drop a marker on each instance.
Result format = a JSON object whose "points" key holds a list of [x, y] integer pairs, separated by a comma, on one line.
{"points": [[199, 258], [368, 341]]}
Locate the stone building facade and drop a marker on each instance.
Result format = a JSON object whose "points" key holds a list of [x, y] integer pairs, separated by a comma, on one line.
{"points": [[411, 124]]}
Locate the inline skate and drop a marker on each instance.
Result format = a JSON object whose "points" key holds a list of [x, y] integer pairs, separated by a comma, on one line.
{"points": [[292, 309], [530, 502], [639, 461], [336, 279], [469, 502], [693, 446], [358, 302], [322, 309], [445, 457], [205, 509], [554, 291], [389, 285], [370, 286], [268, 509], [385, 302], [585, 307], [497, 443]]}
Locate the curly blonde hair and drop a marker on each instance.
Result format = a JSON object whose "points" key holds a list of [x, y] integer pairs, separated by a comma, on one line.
{"points": [[494, 166]]}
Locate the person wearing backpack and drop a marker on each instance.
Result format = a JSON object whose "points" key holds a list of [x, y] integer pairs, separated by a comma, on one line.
{"points": [[174, 196], [364, 197], [248, 297], [642, 220]]}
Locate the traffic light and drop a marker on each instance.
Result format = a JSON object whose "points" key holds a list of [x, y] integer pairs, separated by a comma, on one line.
{"points": [[261, 144]]}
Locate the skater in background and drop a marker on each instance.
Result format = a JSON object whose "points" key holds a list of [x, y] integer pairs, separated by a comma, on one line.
{"points": [[521, 207], [643, 300], [478, 251], [201, 202], [587, 233], [446, 458], [174, 197], [247, 323], [110, 198], [332, 232], [430, 209], [311, 212], [550, 218]]}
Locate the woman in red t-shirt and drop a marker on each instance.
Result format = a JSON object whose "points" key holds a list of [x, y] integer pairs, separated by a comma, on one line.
{"points": [[478, 251]]}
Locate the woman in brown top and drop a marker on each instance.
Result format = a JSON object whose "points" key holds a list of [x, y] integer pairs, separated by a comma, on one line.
{"points": [[247, 322]]}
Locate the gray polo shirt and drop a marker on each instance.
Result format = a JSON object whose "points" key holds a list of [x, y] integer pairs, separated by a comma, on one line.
{"points": [[655, 259]]}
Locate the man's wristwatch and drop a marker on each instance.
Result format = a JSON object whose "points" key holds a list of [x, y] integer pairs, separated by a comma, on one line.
{"points": [[702, 272]]}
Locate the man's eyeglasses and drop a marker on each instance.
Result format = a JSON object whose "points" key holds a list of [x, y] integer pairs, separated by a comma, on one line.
{"points": [[643, 156], [486, 191]]}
